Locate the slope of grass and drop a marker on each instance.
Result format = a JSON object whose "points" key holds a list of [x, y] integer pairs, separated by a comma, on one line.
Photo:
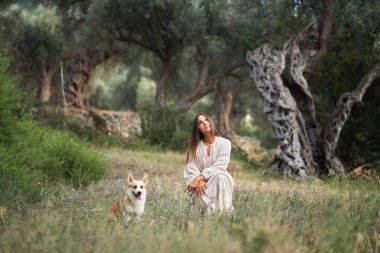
{"points": [[39, 157], [33, 157], [271, 215]]}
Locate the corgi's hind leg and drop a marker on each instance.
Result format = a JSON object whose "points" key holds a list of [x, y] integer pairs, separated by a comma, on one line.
{"points": [[111, 215]]}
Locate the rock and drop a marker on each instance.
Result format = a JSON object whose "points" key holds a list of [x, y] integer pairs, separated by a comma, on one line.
{"points": [[126, 124], [251, 147]]}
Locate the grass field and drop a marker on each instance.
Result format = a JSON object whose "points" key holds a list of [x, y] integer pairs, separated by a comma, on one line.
{"points": [[271, 215]]}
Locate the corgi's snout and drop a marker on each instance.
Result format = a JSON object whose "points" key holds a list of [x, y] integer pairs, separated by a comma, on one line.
{"points": [[138, 194]]}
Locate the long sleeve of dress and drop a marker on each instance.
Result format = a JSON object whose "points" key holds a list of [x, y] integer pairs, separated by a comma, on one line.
{"points": [[191, 171], [222, 160]]}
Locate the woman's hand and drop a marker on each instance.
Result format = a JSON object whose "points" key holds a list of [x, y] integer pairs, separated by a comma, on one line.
{"points": [[201, 188], [194, 184]]}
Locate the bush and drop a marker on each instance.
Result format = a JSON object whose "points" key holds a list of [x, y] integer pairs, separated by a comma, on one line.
{"points": [[165, 128], [57, 154], [40, 157], [33, 157], [7, 101], [18, 183]]}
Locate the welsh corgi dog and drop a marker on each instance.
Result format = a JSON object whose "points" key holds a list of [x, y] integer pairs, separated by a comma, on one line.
{"points": [[132, 203]]}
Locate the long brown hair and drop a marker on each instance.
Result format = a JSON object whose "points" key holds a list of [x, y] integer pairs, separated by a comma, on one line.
{"points": [[197, 136]]}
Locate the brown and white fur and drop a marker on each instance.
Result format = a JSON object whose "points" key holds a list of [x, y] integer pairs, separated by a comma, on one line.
{"points": [[133, 202]]}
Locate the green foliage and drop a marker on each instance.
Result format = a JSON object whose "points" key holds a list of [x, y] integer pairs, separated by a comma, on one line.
{"points": [[164, 128], [249, 42], [38, 35], [111, 87], [360, 138], [19, 184], [7, 101], [39, 157], [32, 156], [56, 154], [351, 54]]}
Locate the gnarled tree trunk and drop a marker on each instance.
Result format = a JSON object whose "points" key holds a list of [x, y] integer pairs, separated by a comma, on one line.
{"points": [[80, 69], [290, 107], [294, 154]]}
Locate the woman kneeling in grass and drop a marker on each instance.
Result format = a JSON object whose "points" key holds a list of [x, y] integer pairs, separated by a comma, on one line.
{"points": [[206, 176]]}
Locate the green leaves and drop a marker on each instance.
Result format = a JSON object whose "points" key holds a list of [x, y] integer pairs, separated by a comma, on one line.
{"points": [[7, 101]]}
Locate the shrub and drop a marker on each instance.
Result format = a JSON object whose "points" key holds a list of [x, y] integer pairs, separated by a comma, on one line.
{"points": [[7, 101], [56, 154], [32, 156], [18, 183], [165, 128], [40, 156]]}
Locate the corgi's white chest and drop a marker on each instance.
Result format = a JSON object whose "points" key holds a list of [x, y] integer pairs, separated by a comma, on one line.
{"points": [[138, 208]]}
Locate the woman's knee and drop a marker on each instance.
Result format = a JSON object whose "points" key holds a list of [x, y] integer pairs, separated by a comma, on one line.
{"points": [[221, 177], [219, 180]]}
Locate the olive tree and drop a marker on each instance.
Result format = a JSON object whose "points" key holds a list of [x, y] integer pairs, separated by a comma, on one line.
{"points": [[304, 149]]}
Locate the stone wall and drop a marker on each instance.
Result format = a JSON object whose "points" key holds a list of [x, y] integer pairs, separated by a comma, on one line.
{"points": [[126, 124]]}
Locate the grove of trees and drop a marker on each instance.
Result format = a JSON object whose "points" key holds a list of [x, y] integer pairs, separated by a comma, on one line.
{"points": [[303, 57]]}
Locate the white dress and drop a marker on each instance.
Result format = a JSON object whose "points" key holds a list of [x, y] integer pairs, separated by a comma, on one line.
{"points": [[219, 182]]}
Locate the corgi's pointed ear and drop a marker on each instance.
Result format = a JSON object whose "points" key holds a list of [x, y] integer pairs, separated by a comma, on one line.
{"points": [[145, 178], [130, 177]]}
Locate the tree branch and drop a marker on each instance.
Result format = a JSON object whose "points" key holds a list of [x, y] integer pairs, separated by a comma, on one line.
{"points": [[128, 38], [340, 115], [327, 20], [202, 89], [27, 74]]}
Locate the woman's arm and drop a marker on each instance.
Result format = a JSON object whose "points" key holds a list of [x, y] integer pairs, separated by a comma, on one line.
{"points": [[195, 181], [194, 184], [191, 171], [198, 185], [222, 160]]}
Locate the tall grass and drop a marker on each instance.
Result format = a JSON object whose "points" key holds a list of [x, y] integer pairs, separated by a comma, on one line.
{"points": [[271, 215]]}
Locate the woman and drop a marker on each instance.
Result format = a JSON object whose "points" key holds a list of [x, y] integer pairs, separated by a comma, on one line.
{"points": [[206, 176]]}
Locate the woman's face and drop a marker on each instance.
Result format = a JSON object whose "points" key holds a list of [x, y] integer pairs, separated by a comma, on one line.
{"points": [[203, 124]]}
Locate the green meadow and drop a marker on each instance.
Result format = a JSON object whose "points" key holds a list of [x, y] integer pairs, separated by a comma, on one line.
{"points": [[271, 214]]}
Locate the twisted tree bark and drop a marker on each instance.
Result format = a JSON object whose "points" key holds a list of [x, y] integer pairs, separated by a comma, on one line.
{"points": [[340, 115], [293, 155], [81, 68], [290, 107]]}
